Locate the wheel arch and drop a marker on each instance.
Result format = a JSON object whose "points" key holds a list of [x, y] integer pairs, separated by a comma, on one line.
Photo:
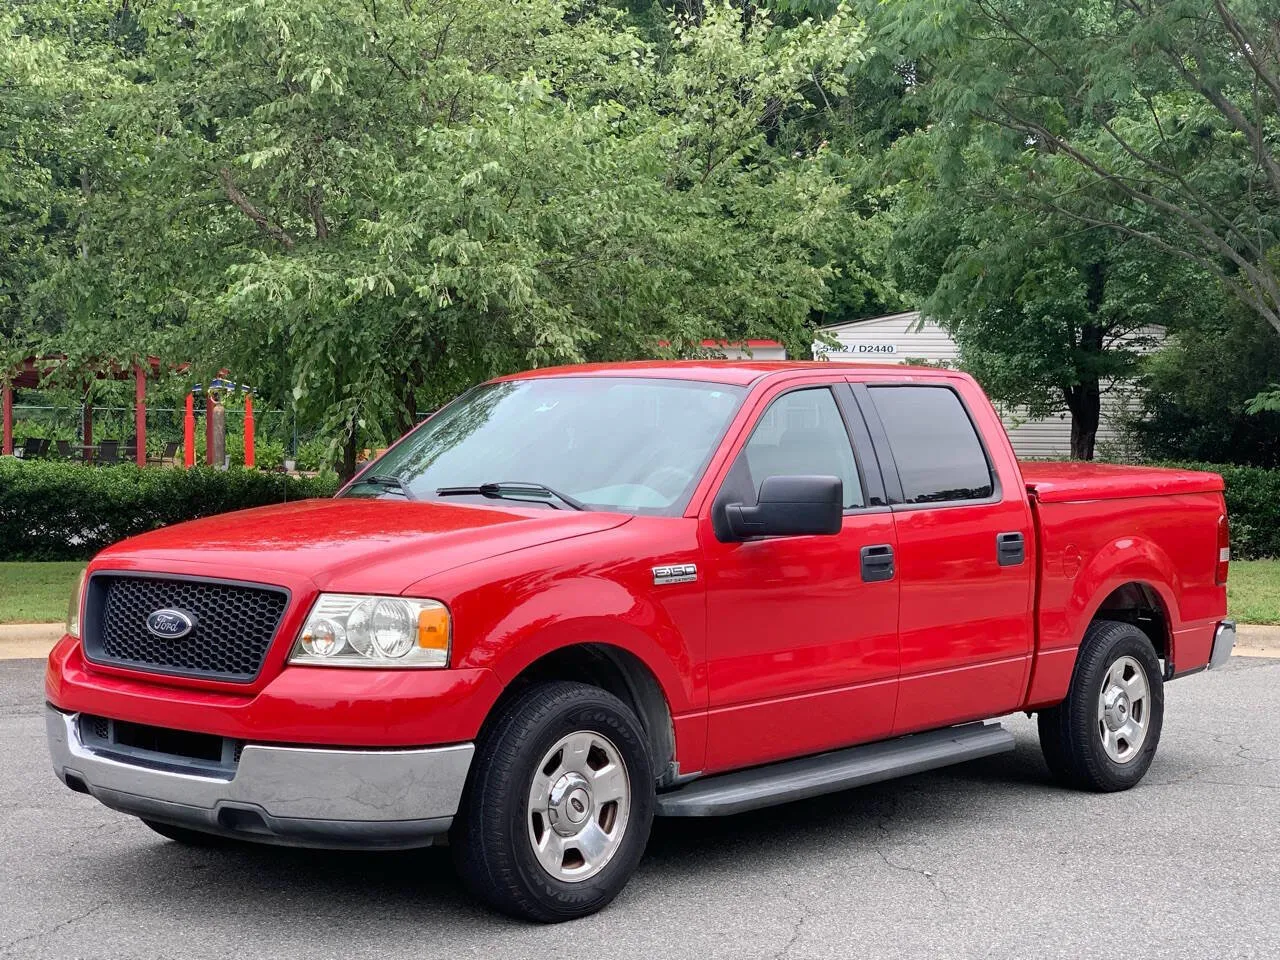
{"points": [[618, 671]]}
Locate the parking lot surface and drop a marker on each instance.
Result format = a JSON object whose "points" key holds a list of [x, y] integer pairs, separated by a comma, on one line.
{"points": [[984, 860]]}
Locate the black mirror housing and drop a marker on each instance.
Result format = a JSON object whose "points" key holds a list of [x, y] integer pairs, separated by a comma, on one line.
{"points": [[790, 506]]}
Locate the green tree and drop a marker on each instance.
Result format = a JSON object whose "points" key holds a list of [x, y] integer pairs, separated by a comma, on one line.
{"points": [[1153, 119], [370, 206], [1048, 315]]}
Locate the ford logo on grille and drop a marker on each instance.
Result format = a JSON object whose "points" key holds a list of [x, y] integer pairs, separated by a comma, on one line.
{"points": [[169, 624]]}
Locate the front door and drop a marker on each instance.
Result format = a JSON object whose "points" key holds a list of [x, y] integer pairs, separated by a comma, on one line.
{"points": [[802, 637]]}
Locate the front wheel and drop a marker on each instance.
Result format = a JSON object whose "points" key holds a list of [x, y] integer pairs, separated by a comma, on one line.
{"points": [[1103, 736], [557, 814]]}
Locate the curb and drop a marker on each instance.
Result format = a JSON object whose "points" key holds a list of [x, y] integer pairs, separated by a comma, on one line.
{"points": [[28, 641]]}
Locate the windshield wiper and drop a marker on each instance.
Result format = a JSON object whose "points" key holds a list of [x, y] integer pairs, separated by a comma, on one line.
{"points": [[393, 483], [513, 490]]}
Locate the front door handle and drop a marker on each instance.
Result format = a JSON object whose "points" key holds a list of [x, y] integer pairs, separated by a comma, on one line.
{"points": [[877, 563], [1011, 549]]}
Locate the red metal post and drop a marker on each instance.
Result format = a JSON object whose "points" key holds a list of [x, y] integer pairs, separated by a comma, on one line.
{"points": [[189, 433], [140, 413], [208, 428], [248, 430], [8, 421]]}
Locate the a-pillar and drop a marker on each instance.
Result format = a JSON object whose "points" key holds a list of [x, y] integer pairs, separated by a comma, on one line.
{"points": [[140, 413]]}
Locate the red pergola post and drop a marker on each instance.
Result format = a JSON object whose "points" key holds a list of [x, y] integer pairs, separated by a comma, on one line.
{"points": [[248, 430], [140, 413], [8, 421], [189, 433], [208, 428]]}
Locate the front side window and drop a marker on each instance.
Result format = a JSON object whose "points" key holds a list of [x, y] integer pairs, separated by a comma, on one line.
{"points": [[934, 444], [630, 444], [802, 433]]}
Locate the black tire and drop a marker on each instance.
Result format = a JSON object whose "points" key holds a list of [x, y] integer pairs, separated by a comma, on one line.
{"points": [[1071, 734], [491, 843], [188, 837]]}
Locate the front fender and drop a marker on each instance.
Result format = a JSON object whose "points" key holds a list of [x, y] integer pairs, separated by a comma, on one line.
{"points": [[591, 608]]}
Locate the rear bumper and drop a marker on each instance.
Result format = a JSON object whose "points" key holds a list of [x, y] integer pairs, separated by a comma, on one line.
{"points": [[1224, 639], [300, 796]]}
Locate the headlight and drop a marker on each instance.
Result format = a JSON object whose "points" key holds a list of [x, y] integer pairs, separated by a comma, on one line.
{"points": [[73, 607], [351, 630]]}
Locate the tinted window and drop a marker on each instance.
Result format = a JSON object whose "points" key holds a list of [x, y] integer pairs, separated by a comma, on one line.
{"points": [[801, 433], [937, 450]]}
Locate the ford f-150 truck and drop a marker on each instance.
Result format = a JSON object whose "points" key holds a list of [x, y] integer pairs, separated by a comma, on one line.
{"points": [[578, 598]]}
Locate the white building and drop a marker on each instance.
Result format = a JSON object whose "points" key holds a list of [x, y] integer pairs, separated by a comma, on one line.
{"points": [[903, 338]]}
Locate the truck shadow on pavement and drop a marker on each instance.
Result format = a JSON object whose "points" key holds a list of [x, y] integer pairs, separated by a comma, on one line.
{"points": [[273, 881]]}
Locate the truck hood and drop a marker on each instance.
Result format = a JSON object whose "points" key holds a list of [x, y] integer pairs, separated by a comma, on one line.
{"points": [[350, 545]]}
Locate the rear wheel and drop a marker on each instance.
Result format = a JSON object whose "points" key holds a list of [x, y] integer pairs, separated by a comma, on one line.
{"points": [[1104, 735], [557, 813]]}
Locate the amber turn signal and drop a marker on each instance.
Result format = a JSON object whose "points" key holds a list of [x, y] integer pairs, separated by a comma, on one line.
{"points": [[433, 628]]}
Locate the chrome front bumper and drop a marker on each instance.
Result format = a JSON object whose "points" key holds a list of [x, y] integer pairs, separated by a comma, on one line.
{"points": [[301, 796], [1224, 639]]}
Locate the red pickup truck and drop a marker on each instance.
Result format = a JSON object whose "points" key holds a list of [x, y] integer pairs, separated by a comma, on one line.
{"points": [[578, 598]]}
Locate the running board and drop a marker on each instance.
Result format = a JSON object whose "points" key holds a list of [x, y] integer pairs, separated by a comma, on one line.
{"points": [[790, 780]]}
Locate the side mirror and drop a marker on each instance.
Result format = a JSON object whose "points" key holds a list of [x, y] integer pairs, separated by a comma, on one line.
{"points": [[788, 507]]}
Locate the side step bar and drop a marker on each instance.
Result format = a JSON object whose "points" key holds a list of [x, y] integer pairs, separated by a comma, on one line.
{"points": [[790, 780]]}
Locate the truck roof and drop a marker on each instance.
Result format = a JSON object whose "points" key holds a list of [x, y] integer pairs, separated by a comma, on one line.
{"points": [[740, 372]]}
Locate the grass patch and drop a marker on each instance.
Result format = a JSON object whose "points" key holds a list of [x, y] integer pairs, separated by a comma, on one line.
{"points": [[36, 592], [1253, 591]]}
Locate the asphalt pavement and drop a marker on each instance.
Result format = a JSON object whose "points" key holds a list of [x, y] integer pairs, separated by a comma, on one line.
{"points": [[984, 860]]}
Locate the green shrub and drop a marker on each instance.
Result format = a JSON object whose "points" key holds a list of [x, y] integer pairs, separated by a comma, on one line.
{"points": [[68, 511]]}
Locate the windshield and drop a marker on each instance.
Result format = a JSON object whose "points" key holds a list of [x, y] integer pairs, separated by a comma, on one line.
{"points": [[614, 443]]}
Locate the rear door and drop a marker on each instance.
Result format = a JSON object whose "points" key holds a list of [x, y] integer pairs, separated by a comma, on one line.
{"points": [[965, 553], [801, 634]]}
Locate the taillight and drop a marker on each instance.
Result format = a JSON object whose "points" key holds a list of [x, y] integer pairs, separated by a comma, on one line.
{"points": [[1224, 550]]}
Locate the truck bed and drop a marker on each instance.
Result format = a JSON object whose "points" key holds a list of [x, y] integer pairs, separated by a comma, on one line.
{"points": [[1064, 482]]}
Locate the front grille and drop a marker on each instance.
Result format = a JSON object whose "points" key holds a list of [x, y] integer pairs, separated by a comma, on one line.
{"points": [[234, 624]]}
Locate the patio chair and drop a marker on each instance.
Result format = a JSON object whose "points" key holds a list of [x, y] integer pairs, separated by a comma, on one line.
{"points": [[43, 450], [169, 456], [30, 448], [108, 452], [64, 449]]}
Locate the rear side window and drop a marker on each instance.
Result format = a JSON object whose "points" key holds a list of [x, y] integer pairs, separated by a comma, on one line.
{"points": [[934, 443]]}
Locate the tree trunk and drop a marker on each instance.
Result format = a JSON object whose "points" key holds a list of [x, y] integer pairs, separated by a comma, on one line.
{"points": [[348, 467], [1084, 400]]}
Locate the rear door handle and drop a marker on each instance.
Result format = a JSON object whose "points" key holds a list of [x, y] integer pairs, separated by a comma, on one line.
{"points": [[1011, 549], [877, 563]]}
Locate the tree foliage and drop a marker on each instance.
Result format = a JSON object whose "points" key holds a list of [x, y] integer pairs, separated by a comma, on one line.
{"points": [[372, 205]]}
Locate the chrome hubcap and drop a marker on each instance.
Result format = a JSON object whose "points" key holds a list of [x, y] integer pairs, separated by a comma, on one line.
{"points": [[579, 803], [1123, 710]]}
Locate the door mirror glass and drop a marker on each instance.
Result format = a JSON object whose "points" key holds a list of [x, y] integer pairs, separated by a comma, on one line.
{"points": [[790, 506]]}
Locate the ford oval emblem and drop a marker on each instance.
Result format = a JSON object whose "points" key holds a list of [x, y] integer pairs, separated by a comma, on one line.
{"points": [[169, 624]]}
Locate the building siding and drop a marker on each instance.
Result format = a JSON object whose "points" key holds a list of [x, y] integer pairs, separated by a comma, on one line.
{"points": [[913, 341]]}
